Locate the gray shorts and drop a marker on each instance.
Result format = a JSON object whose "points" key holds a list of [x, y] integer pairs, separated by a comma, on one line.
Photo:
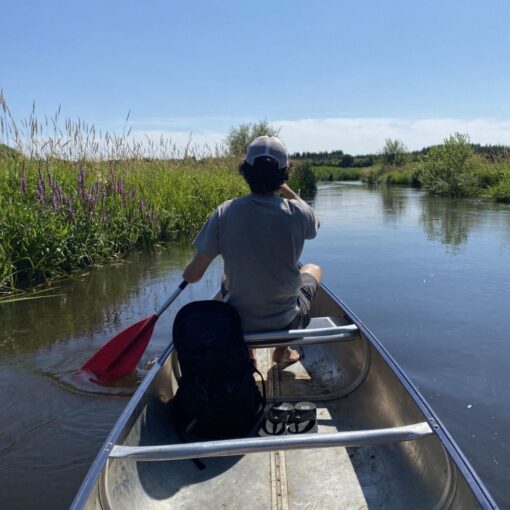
{"points": [[307, 293]]}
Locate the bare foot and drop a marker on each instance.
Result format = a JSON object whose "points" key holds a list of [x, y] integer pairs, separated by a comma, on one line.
{"points": [[285, 355]]}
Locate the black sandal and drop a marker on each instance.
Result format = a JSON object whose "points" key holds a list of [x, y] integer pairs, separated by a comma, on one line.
{"points": [[303, 419], [276, 419]]}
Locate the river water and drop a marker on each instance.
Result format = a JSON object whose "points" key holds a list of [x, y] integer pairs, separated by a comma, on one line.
{"points": [[429, 276]]}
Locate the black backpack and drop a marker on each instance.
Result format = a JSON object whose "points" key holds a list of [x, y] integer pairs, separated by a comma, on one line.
{"points": [[217, 397]]}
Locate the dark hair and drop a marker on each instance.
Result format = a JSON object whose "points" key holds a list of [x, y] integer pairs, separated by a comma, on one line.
{"points": [[264, 176]]}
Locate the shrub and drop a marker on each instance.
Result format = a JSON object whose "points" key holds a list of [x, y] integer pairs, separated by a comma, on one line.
{"points": [[394, 153], [491, 174], [302, 178], [450, 168], [501, 192], [347, 161], [239, 138]]}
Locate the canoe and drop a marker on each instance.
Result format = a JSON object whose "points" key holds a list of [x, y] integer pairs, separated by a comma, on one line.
{"points": [[378, 445]]}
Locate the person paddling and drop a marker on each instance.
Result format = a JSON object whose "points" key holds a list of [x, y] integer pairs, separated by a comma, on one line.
{"points": [[260, 237]]}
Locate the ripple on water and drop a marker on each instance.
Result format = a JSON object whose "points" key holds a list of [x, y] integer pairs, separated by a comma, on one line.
{"points": [[78, 381]]}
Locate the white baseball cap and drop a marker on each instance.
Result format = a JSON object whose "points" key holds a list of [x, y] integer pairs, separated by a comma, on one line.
{"points": [[268, 146]]}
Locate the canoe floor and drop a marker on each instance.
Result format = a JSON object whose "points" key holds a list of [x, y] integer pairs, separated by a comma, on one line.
{"points": [[326, 478]]}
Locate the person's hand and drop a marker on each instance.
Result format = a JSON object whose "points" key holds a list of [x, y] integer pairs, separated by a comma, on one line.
{"points": [[287, 192]]}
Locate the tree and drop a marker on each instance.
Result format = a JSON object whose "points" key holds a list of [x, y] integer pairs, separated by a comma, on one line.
{"points": [[239, 138], [394, 152], [449, 168], [347, 161]]}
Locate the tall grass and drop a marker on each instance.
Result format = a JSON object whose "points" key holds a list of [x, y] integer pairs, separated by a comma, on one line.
{"points": [[408, 175], [302, 179], [495, 180], [73, 197], [335, 173]]}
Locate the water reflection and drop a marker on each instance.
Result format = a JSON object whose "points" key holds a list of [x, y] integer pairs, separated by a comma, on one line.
{"points": [[447, 221], [98, 299], [394, 203], [453, 221]]}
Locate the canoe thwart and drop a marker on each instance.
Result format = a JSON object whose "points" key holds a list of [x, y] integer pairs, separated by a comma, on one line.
{"points": [[233, 447], [303, 336]]}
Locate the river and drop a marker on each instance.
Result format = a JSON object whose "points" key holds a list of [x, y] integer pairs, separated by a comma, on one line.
{"points": [[429, 276]]}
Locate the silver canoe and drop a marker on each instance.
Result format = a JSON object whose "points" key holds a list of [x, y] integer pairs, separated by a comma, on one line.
{"points": [[379, 443]]}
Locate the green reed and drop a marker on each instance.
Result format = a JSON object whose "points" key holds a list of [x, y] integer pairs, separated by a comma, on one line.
{"points": [[72, 197]]}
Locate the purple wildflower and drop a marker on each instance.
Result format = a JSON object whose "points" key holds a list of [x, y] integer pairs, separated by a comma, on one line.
{"points": [[119, 187], [40, 188], [89, 200], [56, 195], [22, 184], [81, 180], [69, 208]]}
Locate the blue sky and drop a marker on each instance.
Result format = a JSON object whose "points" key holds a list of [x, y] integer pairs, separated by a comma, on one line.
{"points": [[330, 74]]}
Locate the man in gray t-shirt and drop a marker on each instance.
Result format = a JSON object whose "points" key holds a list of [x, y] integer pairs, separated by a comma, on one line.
{"points": [[260, 238]]}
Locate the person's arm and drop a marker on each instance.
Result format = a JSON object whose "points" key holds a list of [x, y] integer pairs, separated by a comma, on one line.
{"points": [[289, 194], [196, 268]]}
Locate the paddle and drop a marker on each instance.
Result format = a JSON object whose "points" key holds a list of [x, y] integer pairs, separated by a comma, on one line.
{"points": [[119, 356]]}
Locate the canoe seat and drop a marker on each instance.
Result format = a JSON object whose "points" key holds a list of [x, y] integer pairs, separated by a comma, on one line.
{"points": [[311, 335]]}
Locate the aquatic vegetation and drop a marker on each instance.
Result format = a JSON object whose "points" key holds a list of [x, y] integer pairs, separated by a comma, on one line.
{"points": [[76, 198], [57, 216]]}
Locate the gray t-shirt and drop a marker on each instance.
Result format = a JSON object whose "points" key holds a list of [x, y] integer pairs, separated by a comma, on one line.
{"points": [[260, 239]]}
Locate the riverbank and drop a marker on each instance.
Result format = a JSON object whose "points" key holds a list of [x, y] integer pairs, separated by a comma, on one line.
{"points": [[58, 217], [488, 180], [456, 169]]}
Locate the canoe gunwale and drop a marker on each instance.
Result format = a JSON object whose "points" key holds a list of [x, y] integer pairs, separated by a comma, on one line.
{"points": [[126, 415]]}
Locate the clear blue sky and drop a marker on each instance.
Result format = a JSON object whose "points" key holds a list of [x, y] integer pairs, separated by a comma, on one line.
{"points": [[205, 65]]}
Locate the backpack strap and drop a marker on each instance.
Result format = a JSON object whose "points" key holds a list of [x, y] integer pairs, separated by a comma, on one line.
{"points": [[264, 398]]}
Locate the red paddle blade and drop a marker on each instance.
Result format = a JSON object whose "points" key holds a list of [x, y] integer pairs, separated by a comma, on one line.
{"points": [[119, 356]]}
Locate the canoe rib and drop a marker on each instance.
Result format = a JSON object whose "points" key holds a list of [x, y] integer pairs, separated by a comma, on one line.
{"points": [[233, 447]]}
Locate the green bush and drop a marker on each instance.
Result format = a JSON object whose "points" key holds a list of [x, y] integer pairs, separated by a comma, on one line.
{"points": [[394, 153], [401, 178], [450, 168], [240, 137], [302, 178], [501, 191], [491, 174]]}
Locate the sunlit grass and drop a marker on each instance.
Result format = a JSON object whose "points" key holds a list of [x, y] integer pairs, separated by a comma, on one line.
{"points": [[335, 173], [73, 198]]}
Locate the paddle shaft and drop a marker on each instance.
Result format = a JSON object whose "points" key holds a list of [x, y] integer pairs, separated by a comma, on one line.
{"points": [[172, 298]]}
